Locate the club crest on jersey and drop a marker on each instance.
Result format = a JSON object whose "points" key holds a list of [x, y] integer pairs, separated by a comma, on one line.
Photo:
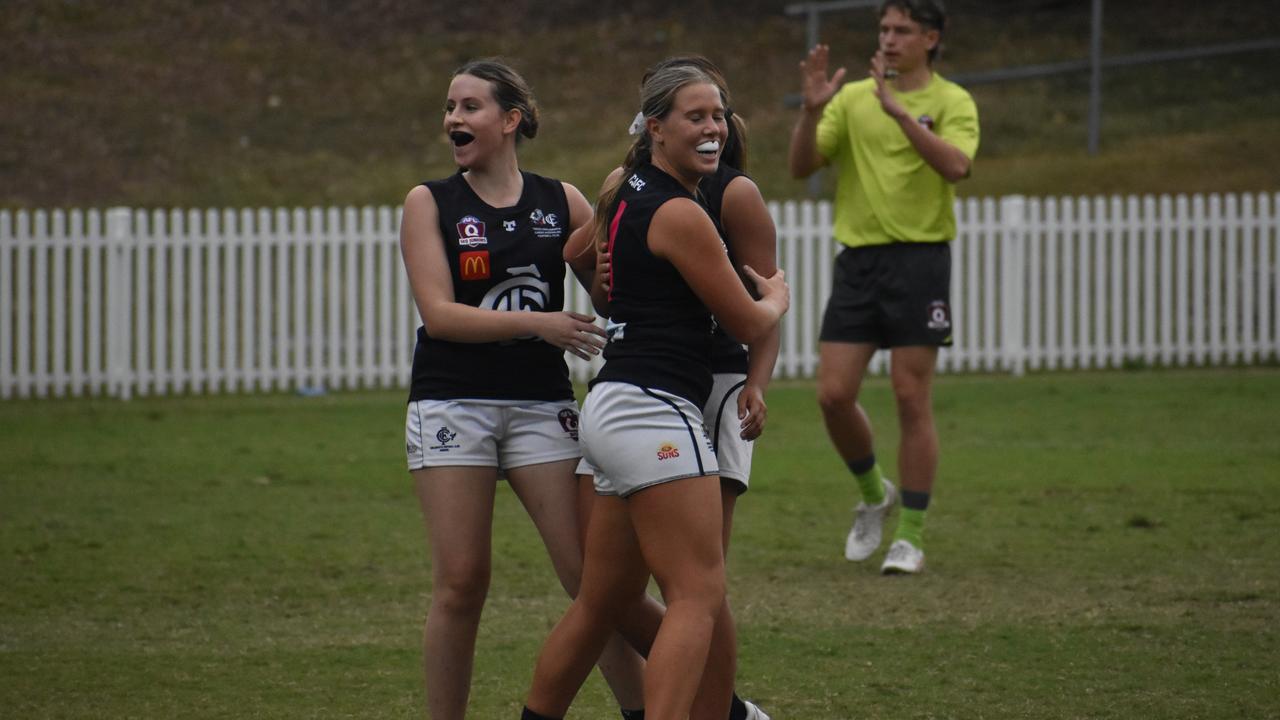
{"points": [[667, 451], [474, 265], [509, 225], [545, 224], [524, 290], [636, 182], [471, 232], [569, 422], [926, 122]]}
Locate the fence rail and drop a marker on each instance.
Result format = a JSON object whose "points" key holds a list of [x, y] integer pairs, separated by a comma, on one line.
{"points": [[131, 302]]}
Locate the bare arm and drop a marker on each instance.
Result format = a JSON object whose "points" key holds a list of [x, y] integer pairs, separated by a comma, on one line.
{"points": [[751, 233], [422, 248], [946, 159], [682, 233], [816, 90]]}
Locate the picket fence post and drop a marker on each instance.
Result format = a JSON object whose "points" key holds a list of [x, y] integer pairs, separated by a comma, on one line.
{"points": [[119, 286], [1013, 272]]}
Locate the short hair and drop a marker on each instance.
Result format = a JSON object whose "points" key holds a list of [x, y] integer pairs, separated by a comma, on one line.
{"points": [[930, 14]]}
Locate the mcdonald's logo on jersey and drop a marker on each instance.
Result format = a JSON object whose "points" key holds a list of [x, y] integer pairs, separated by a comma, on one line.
{"points": [[474, 265]]}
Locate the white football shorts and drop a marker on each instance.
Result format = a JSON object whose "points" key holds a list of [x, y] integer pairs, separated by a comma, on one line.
{"points": [[440, 433], [721, 415], [733, 454], [638, 437]]}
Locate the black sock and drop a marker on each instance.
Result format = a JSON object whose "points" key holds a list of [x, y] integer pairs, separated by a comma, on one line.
{"points": [[632, 714], [913, 500], [531, 715], [737, 709]]}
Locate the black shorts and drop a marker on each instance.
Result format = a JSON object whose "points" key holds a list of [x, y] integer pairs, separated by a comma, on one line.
{"points": [[891, 295]]}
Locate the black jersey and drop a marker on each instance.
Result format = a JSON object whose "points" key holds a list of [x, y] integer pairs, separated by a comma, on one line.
{"points": [[727, 354], [500, 259], [659, 331]]}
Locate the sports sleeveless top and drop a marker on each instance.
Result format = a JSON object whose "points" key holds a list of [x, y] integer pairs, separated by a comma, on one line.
{"points": [[727, 354], [506, 259], [659, 331]]}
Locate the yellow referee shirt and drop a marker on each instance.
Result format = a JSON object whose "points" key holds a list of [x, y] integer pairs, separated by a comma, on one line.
{"points": [[885, 191]]}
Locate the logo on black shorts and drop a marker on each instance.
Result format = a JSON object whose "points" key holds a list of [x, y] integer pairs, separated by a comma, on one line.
{"points": [[445, 436], [666, 451], [569, 421], [939, 316]]}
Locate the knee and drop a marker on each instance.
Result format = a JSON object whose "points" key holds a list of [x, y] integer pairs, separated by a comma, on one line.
{"points": [[460, 591], [836, 396], [912, 398], [704, 591]]}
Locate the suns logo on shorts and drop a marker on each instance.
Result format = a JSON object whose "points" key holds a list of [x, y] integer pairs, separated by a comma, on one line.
{"points": [[666, 451]]}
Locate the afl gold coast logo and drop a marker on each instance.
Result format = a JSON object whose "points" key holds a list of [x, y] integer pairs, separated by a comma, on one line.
{"points": [[666, 451]]}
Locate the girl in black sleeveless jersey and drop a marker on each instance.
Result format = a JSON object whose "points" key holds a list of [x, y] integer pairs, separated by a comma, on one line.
{"points": [[659, 508], [735, 410], [490, 391]]}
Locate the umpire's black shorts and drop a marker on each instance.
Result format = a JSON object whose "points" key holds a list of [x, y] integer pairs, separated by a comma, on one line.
{"points": [[891, 295]]}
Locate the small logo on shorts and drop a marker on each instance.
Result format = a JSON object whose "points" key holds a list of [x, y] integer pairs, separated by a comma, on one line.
{"points": [[939, 315], [666, 451], [569, 421], [445, 436]]}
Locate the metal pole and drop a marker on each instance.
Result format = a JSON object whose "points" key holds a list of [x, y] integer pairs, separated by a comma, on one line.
{"points": [[811, 34], [1095, 77]]}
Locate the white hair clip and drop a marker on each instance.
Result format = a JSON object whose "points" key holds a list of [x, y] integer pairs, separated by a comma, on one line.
{"points": [[637, 125]]}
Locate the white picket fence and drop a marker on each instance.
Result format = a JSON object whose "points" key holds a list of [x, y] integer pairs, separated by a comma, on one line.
{"points": [[127, 302]]}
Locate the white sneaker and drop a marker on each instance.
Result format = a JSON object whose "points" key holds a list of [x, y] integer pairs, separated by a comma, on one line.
{"points": [[754, 712], [868, 525], [903, 558]]}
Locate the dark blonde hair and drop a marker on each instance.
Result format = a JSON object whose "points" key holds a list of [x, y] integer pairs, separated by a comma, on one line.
{"points": [[734, 153], [509, 89], [657, 98]]}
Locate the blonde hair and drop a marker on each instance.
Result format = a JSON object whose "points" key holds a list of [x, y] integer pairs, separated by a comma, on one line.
{"points": [[657, 97]]}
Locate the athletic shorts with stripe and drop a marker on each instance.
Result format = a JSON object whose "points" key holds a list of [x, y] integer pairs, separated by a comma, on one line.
{"points": [[638, 437], [487, 433], [720, 414]]}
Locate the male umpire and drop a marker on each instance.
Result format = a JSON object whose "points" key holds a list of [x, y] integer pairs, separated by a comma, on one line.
{"points": [[899, 140]]}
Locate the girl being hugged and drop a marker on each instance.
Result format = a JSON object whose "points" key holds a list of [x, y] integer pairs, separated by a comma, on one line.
{"points": [[490, 391], [659, 506]]}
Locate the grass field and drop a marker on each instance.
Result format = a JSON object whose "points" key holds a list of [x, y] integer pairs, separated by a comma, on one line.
{"points": [[1101, 545]]}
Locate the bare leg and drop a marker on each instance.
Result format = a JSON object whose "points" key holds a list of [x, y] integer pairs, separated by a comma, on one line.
{"points": [[841, 368], [457, 505], [912, 370], [614, 576], [679, 527], [716, 692], [551, 494]]}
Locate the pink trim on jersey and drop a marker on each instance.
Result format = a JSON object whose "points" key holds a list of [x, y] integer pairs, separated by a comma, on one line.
{"points": [[613, 233]]}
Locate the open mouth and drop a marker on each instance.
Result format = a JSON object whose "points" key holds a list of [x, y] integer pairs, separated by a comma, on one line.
{"points": [[709, 148], [460, 138]]}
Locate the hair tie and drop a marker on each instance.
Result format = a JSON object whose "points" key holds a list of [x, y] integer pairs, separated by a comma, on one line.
{"points": [[637, 124]]}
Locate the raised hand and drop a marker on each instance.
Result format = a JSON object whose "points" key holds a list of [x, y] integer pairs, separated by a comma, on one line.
{"points": [[816, 89], [880, 71]]}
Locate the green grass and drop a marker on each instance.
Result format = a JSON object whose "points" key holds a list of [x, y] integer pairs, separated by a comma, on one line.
{"points": [[1101, 545]]}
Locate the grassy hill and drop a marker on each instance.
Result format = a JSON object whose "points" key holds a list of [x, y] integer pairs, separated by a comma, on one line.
{"points": [[296, 102]]}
